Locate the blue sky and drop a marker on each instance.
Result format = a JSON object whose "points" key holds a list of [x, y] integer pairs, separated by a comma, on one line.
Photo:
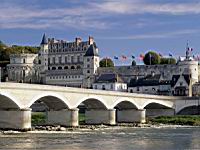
{"points": [[120, 27]]}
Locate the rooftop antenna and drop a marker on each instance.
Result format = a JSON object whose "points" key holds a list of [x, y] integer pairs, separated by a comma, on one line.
{"points": [[187, 50]]}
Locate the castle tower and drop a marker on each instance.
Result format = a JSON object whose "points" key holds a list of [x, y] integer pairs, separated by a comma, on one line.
{"points": [[43, 58], [91, 64], [189, 66], [43, 54]]}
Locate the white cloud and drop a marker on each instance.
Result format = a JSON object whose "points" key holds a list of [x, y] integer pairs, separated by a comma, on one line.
{"points": [[136, 7], [153, 35], [90, 16]]}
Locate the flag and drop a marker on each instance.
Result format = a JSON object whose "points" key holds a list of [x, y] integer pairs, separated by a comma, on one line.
{"points": [[133, 57], [115, 57], [141, 57], [170, 54], [124, 57]]}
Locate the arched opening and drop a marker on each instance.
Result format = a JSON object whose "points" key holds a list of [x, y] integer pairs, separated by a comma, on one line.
{"points": [[7, 103], [88, 108], [78, 67], [72, 67], [190, 110], [156, 109], [126, 112], [43, 107], [53, 68], [59, 68], [66, 67]]}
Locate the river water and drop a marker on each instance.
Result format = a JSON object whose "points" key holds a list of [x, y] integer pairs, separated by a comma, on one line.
{"points": [[106, 139]]}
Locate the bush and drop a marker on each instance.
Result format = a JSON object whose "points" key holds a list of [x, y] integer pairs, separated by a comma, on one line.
{"points": [[164, 60], [106, 62], [151, 58]]}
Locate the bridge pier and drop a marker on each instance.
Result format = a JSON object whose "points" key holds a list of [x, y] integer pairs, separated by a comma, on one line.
{"points": [[100, 116], [15, 119], [131, 115], [64, 117]]}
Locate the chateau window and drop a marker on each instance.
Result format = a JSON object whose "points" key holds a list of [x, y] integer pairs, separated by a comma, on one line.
{"points": [[60, 60], [78, 67], [53, 68], [24, 61], [54, 60], [72, 59], [88, 66], [39, 62], [48, 60], [88, 71], [111, 86], [103, 87], [78, 58], [65, 59], [88, 59], [59, 68], [95, 86], [72, 67], [138, 88]]}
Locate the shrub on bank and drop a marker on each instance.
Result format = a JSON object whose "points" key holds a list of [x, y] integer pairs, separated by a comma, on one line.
{"points": [[177, 120]]}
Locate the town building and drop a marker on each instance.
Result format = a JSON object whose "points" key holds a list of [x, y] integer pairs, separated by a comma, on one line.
{"points": [[110, 82]]}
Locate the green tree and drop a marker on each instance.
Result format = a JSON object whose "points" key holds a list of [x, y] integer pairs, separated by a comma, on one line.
{"points": [[133, 63], [106, 62], [151, 58], [167, 60]]}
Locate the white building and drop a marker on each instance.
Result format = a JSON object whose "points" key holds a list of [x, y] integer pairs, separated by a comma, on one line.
{"points": [[22, 68], [111, 82]]}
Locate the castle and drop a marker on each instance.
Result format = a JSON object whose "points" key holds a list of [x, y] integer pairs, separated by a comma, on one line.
{"points": [[76, 64]]}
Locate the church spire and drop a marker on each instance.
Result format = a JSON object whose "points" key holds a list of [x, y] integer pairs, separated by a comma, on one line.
{"points": [[44, 40]]}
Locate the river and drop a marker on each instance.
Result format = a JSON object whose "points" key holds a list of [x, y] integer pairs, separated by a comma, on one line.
{"points": [[106, 139]]}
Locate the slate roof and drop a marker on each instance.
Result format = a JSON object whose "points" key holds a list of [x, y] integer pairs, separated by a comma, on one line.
{"points": [[109, 78], [44, 40], [176, 77], [148, 81], [91, 51]]}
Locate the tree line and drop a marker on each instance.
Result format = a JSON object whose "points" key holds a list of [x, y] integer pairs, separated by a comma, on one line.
{"points": [[150, 58], [6, 50]]}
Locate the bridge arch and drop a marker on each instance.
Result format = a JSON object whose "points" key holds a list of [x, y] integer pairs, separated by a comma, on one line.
{"points": [[158, 108], [125, 103], [8, 101], [92, 102], [52, 100], [160, 103], [187, 106]]}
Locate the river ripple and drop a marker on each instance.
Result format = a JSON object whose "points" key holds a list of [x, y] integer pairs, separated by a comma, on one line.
{"points": [[106, 139]]}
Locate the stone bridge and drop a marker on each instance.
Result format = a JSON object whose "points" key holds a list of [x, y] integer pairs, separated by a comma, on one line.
{"points": [[102, 107]]}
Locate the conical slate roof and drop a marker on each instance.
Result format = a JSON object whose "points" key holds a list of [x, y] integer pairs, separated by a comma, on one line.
{"points": [[91, 51], [44, 40]]}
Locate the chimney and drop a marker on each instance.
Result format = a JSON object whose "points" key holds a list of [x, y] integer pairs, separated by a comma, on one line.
{"points": [[78, 40], [91, 40]]}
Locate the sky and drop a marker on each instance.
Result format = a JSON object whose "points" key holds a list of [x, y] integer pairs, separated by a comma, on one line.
{"points": [[119, 27]]}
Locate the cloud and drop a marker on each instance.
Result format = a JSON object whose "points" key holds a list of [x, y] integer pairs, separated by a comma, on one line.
{"points": [[90, 15], [136, 7], [154, 35]]}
